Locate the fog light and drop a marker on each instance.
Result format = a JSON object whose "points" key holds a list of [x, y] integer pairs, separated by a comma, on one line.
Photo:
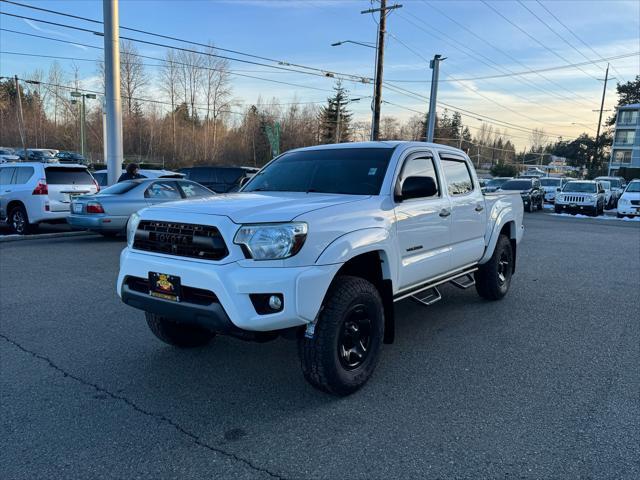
{"points": [[275, 303], [266, 303]]}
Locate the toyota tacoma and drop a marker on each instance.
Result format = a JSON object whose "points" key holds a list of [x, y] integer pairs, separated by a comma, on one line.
{"points": [[317, 247]]}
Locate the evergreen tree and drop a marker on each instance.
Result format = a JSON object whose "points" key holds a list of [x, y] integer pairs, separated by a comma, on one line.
{"points": [[336, 127]]}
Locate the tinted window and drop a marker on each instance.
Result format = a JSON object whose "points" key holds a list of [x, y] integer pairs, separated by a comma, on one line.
{"points": [[200, 175], [101, 178], [163, 191], [5, 175], [550, 182], [517, 185], [353, 171], [457, 176], [23, 174], [119, 188], [420, 167], [68, 176], [194, 190], [230, 175]]}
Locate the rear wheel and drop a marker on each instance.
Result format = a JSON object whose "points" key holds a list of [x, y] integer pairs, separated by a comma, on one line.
{"points": [[344, 349], [178, 334], [19, 221], [494, 277]]}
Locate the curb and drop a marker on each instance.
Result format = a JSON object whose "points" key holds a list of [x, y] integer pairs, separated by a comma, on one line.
{"points": [[42, 236]]}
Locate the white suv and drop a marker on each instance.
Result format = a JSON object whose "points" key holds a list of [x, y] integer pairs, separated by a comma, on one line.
{"points": [[629, 203], [33, 192]]}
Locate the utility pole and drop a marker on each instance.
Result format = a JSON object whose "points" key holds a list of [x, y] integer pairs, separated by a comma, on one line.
{"points": [[337, 120], [112, 90], [604, 92], [21, 120], [377, 91], [431, 119]]}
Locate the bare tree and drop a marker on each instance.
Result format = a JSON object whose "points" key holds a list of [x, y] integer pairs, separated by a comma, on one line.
{"points": [[133, 78], [169, 82], [538, 139], [190, 64], [217, 92]]}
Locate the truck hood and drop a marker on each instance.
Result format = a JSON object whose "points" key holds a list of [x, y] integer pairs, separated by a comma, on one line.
{"points": [[257, 207]]}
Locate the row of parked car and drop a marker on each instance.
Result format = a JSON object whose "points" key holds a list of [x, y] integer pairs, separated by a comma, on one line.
{"points": [[32, 193], [592, 197], [42, 155]]}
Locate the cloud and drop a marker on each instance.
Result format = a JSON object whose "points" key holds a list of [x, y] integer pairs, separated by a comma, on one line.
{"points": [[38, 28]]}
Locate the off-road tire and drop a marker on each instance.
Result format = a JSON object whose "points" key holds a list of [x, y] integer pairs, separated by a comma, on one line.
{"points": [[178, 334], [319, 356], [23, 228], [489, 284], [557, 209]]}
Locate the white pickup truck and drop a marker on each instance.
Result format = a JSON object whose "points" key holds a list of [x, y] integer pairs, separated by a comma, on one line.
{"points": [[317, 247]]}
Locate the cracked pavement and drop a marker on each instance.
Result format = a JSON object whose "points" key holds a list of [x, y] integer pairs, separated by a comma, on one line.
{"points": [[543, 384]]}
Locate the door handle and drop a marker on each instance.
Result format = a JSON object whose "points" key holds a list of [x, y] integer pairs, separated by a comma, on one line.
{"points": [[479, 207], [444, 213]]}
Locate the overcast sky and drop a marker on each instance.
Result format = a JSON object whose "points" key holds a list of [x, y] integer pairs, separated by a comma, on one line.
{"points": [[478, 41]]}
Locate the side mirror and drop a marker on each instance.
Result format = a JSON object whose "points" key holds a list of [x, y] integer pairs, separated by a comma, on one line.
{"points": [[558, 189], [243, 181], [418, 187]]}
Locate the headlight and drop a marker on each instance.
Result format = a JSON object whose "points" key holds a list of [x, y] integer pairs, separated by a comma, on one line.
{"points": [[624, 201], [271, 241], [132, 226]]}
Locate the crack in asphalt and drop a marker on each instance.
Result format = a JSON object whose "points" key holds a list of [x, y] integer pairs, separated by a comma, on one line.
{"points": [[160, 417]]}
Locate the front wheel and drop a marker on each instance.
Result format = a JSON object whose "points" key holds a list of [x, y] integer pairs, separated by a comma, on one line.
{"points": [[494, 277], [178, 334], [344, 350]]}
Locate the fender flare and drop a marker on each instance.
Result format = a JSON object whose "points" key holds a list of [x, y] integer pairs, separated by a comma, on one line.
{"points": [[355, 243], [504, 217]]}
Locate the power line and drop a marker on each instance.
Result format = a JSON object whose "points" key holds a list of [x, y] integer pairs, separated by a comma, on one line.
{"points": [[531, 36], [577, 37], [529, 72], [492, 64], [346, 77], [460, 82], [281, 63]]}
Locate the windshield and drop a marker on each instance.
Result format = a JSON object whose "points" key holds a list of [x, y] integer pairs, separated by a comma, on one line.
{"points": [[615, 182], [496, 182], [517, 185], [605, 184], [633, 187], [550, 182], [119, 188], [352, 171], [581, 187]]}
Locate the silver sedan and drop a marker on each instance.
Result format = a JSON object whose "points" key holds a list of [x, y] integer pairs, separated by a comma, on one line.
{"points": [[108, 211]]}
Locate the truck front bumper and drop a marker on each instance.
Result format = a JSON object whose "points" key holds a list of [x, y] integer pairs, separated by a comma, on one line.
{"points": [[302, 290], [575, 208]]}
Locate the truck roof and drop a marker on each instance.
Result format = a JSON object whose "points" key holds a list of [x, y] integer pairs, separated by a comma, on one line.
{"points": [[381, 144]]}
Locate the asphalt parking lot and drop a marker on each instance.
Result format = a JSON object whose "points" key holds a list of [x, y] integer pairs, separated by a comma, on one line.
{"points": [[544, 384]]}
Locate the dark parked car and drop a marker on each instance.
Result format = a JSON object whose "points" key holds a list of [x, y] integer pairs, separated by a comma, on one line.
{"points": [[530, 190], [70, 157], [219, 179]]}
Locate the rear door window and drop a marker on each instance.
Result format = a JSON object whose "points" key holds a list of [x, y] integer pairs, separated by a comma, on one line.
{"points": [[191, 190], [68, 176], [457, 176], [163, 191], [5, 175], [23, 174]]}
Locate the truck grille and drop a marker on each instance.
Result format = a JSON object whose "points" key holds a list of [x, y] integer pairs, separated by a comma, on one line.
{"points": [[574, 198], [180, 239]]}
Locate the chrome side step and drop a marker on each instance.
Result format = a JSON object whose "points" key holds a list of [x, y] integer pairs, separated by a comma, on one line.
{"points": [[428, 297], [464, 281]]}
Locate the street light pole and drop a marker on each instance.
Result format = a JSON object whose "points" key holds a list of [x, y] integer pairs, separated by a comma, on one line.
{"points": [[431, 120], [112, 89]]}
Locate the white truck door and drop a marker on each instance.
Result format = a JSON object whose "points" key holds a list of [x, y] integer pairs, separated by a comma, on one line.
{"points": [[468, 216], [422, 225]]}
